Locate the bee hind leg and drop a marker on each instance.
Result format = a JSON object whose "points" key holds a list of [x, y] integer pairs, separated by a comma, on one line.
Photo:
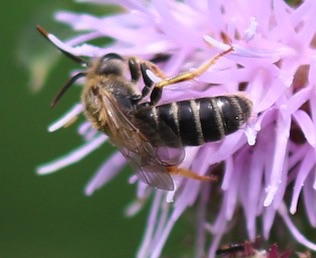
{"points": [[185, 76], [188, 173], [190, 75]]}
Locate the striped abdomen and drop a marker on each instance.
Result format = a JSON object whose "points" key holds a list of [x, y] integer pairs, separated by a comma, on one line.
{"points": [[196, 121]]}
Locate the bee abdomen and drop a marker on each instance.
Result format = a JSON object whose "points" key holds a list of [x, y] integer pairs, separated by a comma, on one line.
{"points": [[198, 121]]}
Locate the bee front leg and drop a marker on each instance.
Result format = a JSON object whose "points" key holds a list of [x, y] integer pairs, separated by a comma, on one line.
{"points": [[139, 67], [133, 66], [156, 93]]}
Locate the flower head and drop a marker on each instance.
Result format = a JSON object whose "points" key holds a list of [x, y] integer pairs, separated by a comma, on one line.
{"points": [[273, 62]]}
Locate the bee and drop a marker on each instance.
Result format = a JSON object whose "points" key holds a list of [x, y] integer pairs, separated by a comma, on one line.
{"points": [[151, 136]]}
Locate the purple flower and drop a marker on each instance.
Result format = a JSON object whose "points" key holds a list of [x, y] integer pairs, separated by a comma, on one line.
{"points": [[268, 166]]}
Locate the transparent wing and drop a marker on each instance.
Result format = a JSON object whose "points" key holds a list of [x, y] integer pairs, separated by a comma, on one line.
{"points": [[149, 169], [167, 144], [135, 147]]}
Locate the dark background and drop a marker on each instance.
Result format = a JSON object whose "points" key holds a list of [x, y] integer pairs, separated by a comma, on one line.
{"points": [[49, 216]]}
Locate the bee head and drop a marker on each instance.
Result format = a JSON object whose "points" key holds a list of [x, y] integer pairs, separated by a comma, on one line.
{"points": [[110, 64]]}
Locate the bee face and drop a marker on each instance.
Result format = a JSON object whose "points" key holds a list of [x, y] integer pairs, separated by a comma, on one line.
{"points": [[152, 136]]}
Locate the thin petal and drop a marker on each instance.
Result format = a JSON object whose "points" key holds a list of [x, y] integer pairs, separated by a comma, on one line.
{"points": [[305, 168], [307, 126], [298, 235], [309, 198], [70, 115], [282, 135], [150, 228], [106, 172], [72, 157]]}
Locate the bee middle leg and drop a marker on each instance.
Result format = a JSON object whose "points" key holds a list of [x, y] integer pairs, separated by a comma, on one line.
{"points": [[188, 173]]}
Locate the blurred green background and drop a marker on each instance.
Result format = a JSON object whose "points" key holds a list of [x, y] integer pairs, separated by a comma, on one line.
{"points": [[49, 216]]}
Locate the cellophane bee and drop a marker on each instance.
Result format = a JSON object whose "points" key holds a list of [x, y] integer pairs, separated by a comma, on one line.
{"points": [[152, 136]]}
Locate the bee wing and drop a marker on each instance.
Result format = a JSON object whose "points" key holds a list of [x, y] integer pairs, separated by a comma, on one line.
{"points": [[149, 168], [135, 147]]}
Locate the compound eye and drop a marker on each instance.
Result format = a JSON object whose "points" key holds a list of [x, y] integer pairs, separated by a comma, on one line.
{"points": [[111, 56], [110, 64]]}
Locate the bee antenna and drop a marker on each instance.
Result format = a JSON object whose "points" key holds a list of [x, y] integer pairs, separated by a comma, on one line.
{"points": [[51, 37], [66, 87]]}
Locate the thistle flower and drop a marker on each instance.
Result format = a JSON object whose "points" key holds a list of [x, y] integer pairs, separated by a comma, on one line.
{"points": [[267, 167]]}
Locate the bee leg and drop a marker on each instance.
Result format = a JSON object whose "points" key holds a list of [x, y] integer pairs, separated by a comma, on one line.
{"points": [[190, 75], [188, 173], [147, 81], [133, 66], [186, 76], [139, 67], [149, 84], [154, 68]]}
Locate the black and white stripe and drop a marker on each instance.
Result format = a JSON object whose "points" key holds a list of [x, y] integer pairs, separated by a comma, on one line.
{"points": [[195, 122]]}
